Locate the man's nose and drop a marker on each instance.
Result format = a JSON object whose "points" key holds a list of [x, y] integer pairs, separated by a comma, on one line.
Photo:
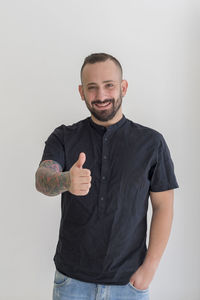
{"points": [[100, 95]]}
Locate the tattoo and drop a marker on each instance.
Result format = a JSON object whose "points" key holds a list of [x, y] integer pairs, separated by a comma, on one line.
{"points": [[52, 165], [50, 180]]}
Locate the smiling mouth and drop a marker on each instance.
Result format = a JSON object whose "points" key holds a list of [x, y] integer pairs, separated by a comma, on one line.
{"points": [[103, 105]]}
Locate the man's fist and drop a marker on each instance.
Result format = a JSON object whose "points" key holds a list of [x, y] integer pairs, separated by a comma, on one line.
{"points": [[80, 179]]}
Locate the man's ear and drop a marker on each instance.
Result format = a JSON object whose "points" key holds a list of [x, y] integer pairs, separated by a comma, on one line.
{"points": [[124, 86], [80, 88]]}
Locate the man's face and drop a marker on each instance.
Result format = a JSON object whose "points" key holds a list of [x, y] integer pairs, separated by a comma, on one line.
{"points": [[102, 89]]}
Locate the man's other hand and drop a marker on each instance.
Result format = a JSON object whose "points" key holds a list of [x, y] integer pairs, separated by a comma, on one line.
{"points": [[80, 178]]}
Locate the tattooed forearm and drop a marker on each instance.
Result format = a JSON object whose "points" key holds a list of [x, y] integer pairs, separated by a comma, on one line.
{"points": [[50, 180]]}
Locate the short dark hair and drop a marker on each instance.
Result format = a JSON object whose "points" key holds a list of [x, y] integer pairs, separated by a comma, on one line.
{"points": [[100, 57]]}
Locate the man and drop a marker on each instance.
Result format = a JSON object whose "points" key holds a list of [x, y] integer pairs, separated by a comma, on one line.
{"points": [[105, 167]]}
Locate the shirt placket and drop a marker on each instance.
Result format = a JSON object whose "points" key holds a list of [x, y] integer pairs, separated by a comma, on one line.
{"points": [[104, 173]]}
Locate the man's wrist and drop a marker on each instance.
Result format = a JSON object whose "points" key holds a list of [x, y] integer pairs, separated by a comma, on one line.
{"points": [[64, 181], [151, 262], [67, 180]]}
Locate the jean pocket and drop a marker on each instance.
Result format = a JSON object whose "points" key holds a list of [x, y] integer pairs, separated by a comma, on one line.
{"points": [[60, 279], [137, 290]]}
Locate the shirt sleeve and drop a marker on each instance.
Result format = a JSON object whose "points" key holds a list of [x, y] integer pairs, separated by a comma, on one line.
{"points": [[54, 147], [162, 173]]}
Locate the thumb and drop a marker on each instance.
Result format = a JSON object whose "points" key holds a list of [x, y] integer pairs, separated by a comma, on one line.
{"points": [[81, 160]]}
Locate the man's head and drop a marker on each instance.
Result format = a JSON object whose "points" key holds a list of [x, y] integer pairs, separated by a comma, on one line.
{"points": [[100, 57], [101, 78]]}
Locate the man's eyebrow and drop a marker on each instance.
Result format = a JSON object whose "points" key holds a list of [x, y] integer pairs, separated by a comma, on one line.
{"points": [[105, 81]]}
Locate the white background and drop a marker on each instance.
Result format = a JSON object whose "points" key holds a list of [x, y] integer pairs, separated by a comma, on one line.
{"points": [[42, 47]]}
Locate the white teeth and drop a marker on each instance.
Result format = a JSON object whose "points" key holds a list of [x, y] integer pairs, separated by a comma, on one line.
{"points": [[105, 104]]}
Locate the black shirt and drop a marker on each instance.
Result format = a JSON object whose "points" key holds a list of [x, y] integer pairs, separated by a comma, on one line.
{"points": [[102, 236]]}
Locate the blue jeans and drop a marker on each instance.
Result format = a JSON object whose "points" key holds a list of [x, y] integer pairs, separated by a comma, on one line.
{"points": [[67, 288]]}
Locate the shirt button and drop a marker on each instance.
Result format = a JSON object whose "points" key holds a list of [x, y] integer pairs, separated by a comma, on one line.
{"points": [[105, 139], [102, 198], [103, 177], [105, 157]]}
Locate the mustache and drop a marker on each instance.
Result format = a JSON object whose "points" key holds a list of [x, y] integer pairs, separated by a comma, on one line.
{"points": [[102, 102]]}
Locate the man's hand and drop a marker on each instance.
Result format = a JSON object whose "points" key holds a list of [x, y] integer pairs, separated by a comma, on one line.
{"points": [[80, 178], [142, 278]]}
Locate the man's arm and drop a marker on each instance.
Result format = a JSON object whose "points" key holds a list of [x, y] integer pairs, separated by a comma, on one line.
{"points": [[162, 205], [50, 180]]}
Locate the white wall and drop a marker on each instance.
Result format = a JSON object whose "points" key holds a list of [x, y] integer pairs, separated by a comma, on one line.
{"points": [[42, 46]]}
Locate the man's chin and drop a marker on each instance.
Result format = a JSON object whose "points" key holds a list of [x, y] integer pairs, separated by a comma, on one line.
{"points": [[104, 117]]}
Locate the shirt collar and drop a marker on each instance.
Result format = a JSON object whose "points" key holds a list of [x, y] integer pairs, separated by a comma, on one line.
{"points": [[110, 128]]}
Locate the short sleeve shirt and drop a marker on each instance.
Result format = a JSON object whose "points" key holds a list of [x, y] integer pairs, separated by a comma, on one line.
{"points": [[102, 236]]}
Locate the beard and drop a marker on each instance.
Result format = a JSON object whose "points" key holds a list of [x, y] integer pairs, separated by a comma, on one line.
{"points": [[105, 114]]}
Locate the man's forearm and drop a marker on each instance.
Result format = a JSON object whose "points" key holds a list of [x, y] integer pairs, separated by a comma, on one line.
{"points": [[159, 234], [50, 181], [162, 204]]}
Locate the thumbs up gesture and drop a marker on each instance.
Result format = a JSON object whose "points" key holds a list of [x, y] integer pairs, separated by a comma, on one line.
{"points": [[80, 179]]}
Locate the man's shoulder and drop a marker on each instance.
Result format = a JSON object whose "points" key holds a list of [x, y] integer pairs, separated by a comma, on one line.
{"points": [[71, 126], [143, 129]]}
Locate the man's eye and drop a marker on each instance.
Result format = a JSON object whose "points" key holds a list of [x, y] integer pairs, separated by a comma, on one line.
{"points": [[91, 87], [109, 85]]}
